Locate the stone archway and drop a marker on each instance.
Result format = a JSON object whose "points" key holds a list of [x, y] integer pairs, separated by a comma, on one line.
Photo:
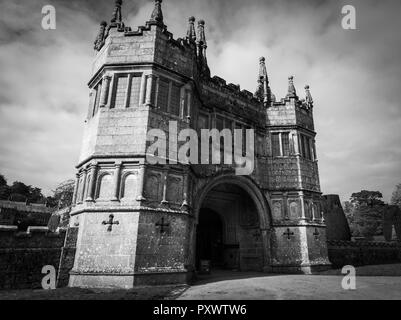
{"points": [[247, 220], [210, 237]]}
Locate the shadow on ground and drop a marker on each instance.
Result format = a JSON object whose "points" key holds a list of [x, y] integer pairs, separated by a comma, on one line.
{"points": [[373, 282], [140, 293], [226, 275]]}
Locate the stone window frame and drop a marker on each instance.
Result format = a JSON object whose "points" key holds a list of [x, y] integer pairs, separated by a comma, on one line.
{"points": [[94, 101], [291, 148], [243, 126], [205, 115], [186, 102], [127, 95], [234, 122], [114, 84], [308, 140], [186, 95]]}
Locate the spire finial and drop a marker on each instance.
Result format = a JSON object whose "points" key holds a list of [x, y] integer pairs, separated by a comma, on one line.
{"points": [[262, 68], [117, 18], [157, 14], [201, 49], [292, 93], [191, 33], [308, 97], [263, 92], [201, 33]]}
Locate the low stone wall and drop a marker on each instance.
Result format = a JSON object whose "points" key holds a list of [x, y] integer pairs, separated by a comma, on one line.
{"points": [[360, 253], [23, 255]]}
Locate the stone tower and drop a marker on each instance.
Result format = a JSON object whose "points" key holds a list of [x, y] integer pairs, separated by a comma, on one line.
{"points": [[140, 222]]}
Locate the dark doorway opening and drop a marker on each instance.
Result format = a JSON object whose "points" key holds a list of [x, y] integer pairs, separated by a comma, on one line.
{"points": [[209, 242]]}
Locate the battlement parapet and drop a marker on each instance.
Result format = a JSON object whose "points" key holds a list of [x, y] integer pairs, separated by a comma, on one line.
{"points": [[290, 112], [224, 99], [220, 84]]}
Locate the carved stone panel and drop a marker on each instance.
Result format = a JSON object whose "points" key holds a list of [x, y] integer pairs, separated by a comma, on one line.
{"points": [[174, 189], [294, 209], [153, 186], [277, 210]]}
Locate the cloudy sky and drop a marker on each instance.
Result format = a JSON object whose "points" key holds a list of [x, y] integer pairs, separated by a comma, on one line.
{"points": [[355, 78]]}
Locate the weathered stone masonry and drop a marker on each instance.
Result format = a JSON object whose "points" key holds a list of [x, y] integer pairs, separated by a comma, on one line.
{"points": [[138, 223]]}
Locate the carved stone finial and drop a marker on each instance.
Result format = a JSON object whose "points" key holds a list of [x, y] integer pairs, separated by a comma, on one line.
{"points": [[262, 68], [308, 97], [101, 36], [263, 92], [201, 33], [157, 14], [201, 49], [191, 33], [292, 93], [117, 17]]}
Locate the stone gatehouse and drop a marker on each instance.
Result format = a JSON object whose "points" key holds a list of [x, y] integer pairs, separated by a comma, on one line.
{"points": [[140, 223]]}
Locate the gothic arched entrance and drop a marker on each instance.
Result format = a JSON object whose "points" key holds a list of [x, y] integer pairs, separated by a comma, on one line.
{"points": [[210, 238], [232, 225]]}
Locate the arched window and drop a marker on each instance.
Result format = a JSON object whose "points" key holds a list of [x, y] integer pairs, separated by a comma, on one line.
{"points": [[105, 188], [129, 187], [80, 189], [88, 183]]}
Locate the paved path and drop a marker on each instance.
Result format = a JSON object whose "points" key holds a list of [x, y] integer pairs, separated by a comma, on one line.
{"points": [[243, 286], [372, 282]]}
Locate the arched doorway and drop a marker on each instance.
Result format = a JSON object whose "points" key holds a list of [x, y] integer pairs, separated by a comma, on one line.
{"points": [[233, 222], [210, 237]]}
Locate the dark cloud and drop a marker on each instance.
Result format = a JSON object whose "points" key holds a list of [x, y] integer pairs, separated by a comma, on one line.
{"points": [[354, 77]]}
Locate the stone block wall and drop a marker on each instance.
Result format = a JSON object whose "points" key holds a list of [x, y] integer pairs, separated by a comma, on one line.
{"points": [[162, 247], [24, 254], [122, 49]]}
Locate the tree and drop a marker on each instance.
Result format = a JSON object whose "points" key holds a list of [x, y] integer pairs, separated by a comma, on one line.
{"points": [[396, 197], [366, 210], [4, 188], [62, 195], [370, 198], [19, 191], [3, 181]]}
